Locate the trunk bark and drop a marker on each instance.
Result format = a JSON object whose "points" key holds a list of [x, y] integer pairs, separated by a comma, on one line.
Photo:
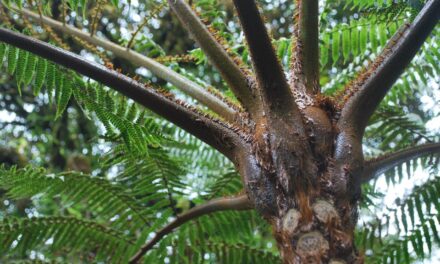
{"points": [[307, 188], [325, 238]]}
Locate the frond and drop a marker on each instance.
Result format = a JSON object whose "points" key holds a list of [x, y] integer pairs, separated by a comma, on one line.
{"points": [[155, 179], [108, 200], [226, 237], [28, 68], [225, 185], [355, 40], [395, 129], [412, 224], [65, 235], [121, 119]]}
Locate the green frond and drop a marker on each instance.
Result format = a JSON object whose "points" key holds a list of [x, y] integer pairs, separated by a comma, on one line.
{"points": [[109, 200], [121, 119], [391, 129], [12, 59], [155, 179], [416, 221], [65, 235], [399, 250], [40, 75], [223, 237], [358, 38], [227, 184], [392, 125], [3, 50], [240, 253]]}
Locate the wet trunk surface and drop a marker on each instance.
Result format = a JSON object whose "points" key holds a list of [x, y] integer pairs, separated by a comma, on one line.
{"points": [[304, 183]]}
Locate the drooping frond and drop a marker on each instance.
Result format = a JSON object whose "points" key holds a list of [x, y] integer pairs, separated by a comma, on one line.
{"points": [[66, 235], [412, 223], [100, 195], [197, 237], [121, 119], [374, 167], [155, 178], [393, 129], [28, 68]]}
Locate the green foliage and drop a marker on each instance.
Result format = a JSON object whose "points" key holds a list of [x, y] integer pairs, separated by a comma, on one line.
{"points": [[393, 125], [62, 234], [148, 168], [415, 220], [121, 119], [348, 41], [235, 242], [105, 198]]}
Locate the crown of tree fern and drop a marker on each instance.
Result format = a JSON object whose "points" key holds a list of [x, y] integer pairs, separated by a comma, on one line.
{"points": [[245, 149]]}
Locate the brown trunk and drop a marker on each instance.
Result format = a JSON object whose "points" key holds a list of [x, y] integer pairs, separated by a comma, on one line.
{"points": [[305, 186], [322, 239]]}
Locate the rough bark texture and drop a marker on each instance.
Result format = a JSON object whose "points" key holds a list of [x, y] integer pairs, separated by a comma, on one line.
{"points": [[304, 189]]}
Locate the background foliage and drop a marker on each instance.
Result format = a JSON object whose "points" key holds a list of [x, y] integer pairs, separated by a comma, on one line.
{"points": [[88, 175]]}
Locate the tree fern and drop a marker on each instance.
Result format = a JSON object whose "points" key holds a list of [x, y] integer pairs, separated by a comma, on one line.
{"points": [[149, 174]]}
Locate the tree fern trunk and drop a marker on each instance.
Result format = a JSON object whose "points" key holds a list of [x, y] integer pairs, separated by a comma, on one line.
{"points": [[307, 189], [322, 239]]}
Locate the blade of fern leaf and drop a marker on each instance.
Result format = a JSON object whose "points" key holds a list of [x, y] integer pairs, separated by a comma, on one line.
{"points": [[30, 68], [50, 80], [64, 96], [59, 83], [40, 75], [20, 68], [427, 236], [12, 59], [335, 47], [3, 49], [346, 48]]}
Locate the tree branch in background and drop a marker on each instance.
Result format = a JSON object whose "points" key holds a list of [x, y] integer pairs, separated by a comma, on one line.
{"points": [[371, 87], [379, 165], [232, 74], [305, 59], [213, 132], [238, 203], [187, 86], [275, 91]]}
